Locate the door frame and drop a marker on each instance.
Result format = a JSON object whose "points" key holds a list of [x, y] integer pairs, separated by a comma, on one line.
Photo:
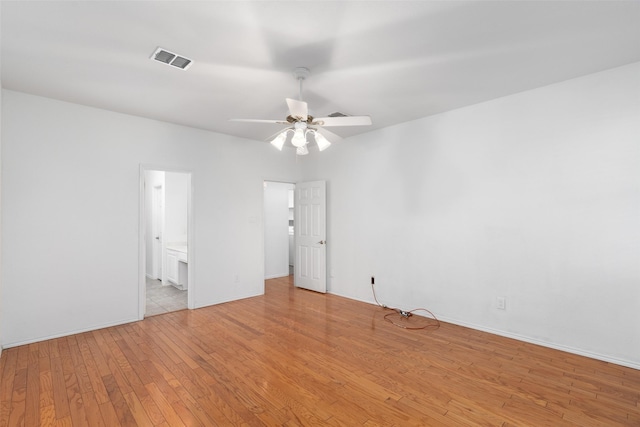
{"points": [[264, 228], [142, 246], [157, 228], [295, 243]]}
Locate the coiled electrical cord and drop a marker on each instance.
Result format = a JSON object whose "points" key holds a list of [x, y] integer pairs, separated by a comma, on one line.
{"points": [[405, 314]]}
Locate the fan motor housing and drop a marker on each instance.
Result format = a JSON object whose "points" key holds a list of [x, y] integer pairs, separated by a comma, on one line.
{"points": [[292, 119]]}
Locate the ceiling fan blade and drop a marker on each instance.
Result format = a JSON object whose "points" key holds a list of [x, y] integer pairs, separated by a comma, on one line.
{"points": [[279, 122], [332, 137], [298, 108], [343, 121]]}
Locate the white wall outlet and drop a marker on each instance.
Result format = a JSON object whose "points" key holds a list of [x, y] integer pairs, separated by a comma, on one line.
{"points": [[501, 303]]}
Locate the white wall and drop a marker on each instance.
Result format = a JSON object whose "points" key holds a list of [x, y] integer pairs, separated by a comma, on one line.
{"points": [[176, 203], [70, 197], [0, 188], [534, 197], [276, 229]]}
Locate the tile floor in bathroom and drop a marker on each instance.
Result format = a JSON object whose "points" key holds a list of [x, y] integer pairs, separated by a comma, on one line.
{"points": [[163, 299]]}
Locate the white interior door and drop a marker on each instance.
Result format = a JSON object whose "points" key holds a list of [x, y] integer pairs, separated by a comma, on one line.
{"points": [[311, 236]]}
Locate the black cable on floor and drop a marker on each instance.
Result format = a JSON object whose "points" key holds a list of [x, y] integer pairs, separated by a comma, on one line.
{"points": [[405, 315]]}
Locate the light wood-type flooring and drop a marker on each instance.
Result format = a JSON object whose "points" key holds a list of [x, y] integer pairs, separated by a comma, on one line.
{"points": [[297, 358]]}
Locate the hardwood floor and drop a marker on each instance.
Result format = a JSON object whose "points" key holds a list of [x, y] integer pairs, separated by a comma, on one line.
{"points": [[294, 357]]}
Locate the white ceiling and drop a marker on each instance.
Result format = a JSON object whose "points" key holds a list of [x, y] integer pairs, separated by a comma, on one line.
{"points": [[393, 60]]}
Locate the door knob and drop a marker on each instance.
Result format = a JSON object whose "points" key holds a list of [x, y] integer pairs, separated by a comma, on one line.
{"points": [[322, 242]]}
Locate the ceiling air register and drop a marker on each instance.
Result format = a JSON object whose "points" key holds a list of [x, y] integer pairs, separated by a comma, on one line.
{"points": [[170, 58]]}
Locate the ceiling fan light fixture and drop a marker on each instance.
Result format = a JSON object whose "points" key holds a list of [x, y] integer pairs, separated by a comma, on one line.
{"points": [[278, 141], [322, 142], [301, 124], [299, 139]]}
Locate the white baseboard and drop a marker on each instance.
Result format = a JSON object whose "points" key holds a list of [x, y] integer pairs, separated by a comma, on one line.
{"points": [[524, 338], [276, 276], [66, 334], [222, 301]]}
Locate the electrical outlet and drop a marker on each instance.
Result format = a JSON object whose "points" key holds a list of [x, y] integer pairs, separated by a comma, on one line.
{"points": [[501, 303]]}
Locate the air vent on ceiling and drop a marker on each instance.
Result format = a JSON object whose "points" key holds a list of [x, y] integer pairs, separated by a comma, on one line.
{"points": [[170, 58], [337, 114]]}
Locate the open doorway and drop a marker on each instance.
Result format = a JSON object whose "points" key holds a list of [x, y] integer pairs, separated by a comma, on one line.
{"points": [[278, 229], [302, 244], [166, 281]]}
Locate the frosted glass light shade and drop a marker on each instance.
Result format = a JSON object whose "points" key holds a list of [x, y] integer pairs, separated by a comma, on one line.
{"points": [[322, 142], [299, 139], [278, 141]]}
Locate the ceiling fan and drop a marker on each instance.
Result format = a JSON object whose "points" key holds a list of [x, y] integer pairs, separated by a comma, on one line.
{"points": [[301, 125]]}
